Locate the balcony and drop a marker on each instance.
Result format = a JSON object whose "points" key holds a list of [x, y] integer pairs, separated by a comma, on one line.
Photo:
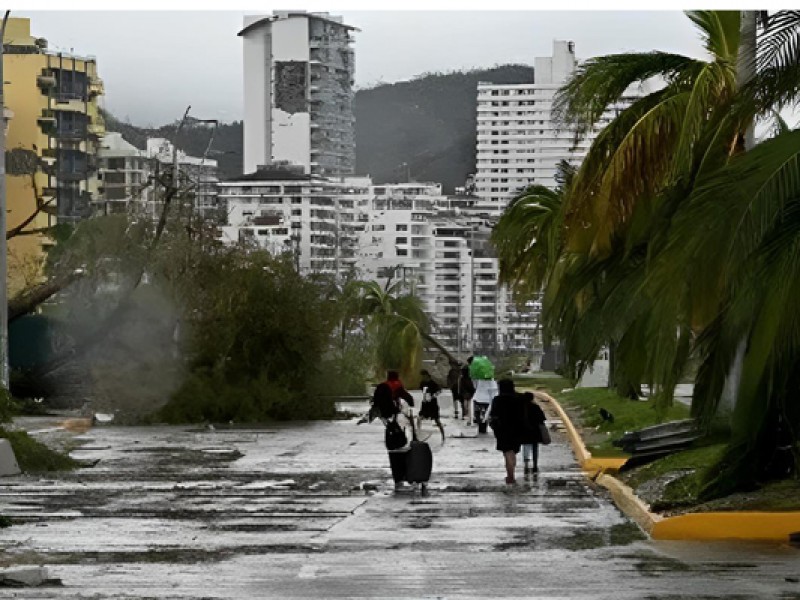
{"points": [[95, 87], [47, 121], [70, 133], [45, 82]]}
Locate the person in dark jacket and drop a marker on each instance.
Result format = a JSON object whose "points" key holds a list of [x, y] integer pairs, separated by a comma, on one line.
{"points": [[399, 391], [505, 415], [386, 399], [466, 389], [531, 436], [430, 401], [453, 377]]}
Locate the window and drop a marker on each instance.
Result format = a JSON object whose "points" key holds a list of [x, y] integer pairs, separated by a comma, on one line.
{"points": [[401, 227], [402, 252], [378, 227], [400, 240]]}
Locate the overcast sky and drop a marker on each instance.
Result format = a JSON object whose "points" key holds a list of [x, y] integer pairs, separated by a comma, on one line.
{"points": [[154, 64]]}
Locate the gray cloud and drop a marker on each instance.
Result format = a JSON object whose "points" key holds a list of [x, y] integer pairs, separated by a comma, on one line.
{"points": [[156, 63]]}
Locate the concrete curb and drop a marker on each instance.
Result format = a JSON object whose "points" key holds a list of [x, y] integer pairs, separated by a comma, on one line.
{"points": [[743, 525]]}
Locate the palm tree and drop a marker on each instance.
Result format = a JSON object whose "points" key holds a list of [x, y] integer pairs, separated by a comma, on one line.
{"points": [[668, 223], [400, 327], [658, 140]]}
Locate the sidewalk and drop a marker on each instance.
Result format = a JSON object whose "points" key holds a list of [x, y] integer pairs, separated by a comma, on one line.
{"points": [[307, 511]]}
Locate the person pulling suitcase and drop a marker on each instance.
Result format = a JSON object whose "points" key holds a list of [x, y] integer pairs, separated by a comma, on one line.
{"points": [[419, 461]]}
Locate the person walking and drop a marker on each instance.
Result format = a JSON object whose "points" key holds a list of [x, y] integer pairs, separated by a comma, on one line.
{"points": [[388, 398], [430, 401], [399, 391], [453, 378], [481, 370], [533, 418], [466, 389], [505, 416]]}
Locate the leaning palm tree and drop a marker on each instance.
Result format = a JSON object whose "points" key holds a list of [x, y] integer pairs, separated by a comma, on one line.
{"points": [[400, 328], [664, 178], [657, 140]]}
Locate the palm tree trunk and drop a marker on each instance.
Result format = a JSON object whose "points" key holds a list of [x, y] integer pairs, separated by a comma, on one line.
{"points": [[433, 342], [745, 71]]}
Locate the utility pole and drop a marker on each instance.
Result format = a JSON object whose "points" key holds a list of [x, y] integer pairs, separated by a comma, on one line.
{"points": [[3, 226]]}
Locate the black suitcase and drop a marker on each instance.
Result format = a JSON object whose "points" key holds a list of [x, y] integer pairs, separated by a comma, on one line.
{"points": [[397, 462], [419, 460]]}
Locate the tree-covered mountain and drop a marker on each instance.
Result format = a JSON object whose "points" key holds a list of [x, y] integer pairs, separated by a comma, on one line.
{"points": [[423, 129], [226, 147]]}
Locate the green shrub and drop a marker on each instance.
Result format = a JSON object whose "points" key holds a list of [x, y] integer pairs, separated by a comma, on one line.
{"points": [[210, 397]]}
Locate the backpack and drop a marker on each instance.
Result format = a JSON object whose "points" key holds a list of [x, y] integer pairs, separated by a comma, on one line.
{"points": [[382, 399], [395, 436]]}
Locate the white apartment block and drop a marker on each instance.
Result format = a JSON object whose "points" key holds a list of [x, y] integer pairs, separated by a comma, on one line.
{"points": [[298, 92], [124, 174], [126, 177], [407, 232], [438, 246], [283, 210], [519, 143]]}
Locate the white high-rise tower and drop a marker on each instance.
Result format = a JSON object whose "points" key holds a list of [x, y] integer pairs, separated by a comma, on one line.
{"points": [[519, 142], [298, 92]]}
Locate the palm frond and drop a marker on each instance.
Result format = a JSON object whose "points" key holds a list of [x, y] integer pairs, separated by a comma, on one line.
{"points": [[527, 238], [720, 32], [779, 41], [629, 161], [601, 82], [712, 92]]}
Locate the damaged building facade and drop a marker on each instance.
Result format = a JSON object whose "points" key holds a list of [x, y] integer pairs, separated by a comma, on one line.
{"points": [[298, 93]]}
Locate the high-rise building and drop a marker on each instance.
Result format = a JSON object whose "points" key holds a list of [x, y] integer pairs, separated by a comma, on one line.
{"points": [[54, 133], [519, 142], [298, 92], [281, 209]]}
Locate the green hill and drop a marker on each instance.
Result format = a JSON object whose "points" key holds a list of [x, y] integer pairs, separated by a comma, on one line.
{"points": [[424, 128], [427, 123]]}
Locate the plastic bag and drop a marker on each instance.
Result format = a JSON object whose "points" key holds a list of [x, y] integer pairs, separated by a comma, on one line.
{"points": [[481, 368]]}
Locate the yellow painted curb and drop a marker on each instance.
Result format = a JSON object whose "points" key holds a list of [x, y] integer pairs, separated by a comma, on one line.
{"points": [[743, 525], [629, 503], [575, 440], [768, 526]]}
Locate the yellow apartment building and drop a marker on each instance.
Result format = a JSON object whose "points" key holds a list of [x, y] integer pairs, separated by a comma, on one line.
{"points": [[54, 130]]}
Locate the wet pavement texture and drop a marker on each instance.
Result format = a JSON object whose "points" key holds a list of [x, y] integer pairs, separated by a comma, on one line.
{"points": [[309, 511]]}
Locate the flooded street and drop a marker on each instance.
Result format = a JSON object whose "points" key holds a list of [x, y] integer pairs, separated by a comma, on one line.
{"points": [[309, 511]]}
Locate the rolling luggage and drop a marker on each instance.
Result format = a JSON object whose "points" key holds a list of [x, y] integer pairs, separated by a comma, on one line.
{"points": [[419, 460]]}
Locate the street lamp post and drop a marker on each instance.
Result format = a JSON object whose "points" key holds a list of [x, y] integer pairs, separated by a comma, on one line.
{"points": [[4, 368]]}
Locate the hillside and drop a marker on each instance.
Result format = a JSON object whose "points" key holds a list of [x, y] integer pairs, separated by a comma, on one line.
{"points": [[424, 128], [428, 123], [226, 148]]}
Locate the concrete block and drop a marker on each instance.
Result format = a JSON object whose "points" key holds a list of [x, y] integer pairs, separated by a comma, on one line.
{"points": [[8, 462]]}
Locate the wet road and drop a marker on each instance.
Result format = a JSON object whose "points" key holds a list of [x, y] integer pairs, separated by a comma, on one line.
{"points": [[308, 511]]}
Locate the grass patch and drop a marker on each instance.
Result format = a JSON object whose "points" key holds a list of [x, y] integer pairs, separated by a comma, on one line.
{"points": [[33, 456], [675, 480], [548, 382], [629, 415]]}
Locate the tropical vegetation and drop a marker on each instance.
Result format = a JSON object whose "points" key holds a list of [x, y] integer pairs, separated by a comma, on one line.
{"points": [[676, 241]]}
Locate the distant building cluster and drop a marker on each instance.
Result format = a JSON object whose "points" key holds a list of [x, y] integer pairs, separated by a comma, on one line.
{"points": [[299, 194]]}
